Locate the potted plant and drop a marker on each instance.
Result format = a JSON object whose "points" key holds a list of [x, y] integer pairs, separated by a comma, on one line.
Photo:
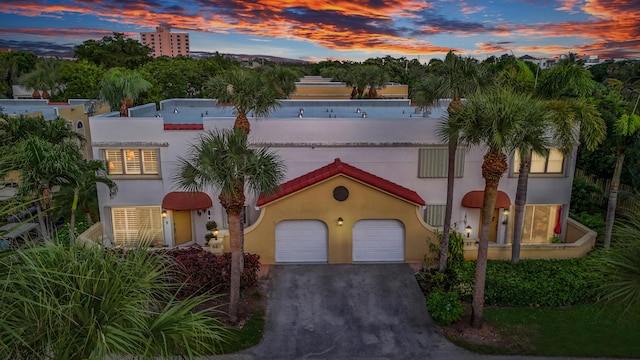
{"points": [[212, 225]]}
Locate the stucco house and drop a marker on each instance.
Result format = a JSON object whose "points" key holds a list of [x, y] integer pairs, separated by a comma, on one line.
{"points": [[365, 181]]}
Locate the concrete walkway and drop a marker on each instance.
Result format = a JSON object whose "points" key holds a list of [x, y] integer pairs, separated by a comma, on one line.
{"points": [[350, 311]]}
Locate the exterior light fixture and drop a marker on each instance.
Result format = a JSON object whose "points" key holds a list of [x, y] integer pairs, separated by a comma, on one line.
{"points": [[164, 213], [340, 221], [468, 230], [505, 212], [215, 233]]}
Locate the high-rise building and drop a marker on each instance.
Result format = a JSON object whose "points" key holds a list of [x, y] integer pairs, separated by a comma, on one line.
{"points": [[165, 43]]}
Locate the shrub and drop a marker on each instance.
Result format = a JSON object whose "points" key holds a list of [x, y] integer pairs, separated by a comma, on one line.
{"points": [[531, 282], [62, 234], [432, 279], [208, 272], [594, 222], [444, 306]]}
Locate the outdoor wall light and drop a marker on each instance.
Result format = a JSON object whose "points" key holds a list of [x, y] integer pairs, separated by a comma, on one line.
{"points": [[215, 233], [340, 221], [164, 213], [505, 212], [468, 230]]}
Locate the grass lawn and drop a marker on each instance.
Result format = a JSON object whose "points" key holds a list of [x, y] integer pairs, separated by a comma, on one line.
{"points": [[247, 336], [582, 330]]}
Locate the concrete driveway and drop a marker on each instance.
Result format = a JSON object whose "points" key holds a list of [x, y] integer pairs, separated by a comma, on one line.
{"points": [[360, 311]]}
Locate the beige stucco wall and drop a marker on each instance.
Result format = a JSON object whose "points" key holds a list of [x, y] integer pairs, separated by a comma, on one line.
{"points": [[582, 241], [326, 91], [317, 202]]}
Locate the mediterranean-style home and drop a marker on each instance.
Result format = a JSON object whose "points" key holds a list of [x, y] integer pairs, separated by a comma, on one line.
{"points": [[365, 181]]}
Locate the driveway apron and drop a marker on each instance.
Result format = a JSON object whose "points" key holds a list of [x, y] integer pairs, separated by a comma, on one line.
{"points": [[348, 311]]}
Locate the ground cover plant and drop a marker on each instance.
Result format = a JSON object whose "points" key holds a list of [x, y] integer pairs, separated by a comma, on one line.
{"points": [[74, 302]]}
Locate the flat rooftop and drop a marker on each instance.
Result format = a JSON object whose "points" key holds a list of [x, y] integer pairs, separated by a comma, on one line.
{"points": [[194, 111]]}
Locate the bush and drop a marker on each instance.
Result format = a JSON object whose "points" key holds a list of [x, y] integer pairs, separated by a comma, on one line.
{"points": [[61, 235], [208, 272], [444, 306], [531, 282]]}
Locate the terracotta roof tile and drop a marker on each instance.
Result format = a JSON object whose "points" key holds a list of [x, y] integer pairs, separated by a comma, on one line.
{"points": [[335, 168], [183, 126]]}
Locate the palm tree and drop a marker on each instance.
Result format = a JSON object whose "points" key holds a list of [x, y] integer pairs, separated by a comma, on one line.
{"points": [[495, 120], [374, 77], [84, 185], [247, 91], [627, 129], [620, 264], [284, 79], [43, 77], [42, 166], [567, 121], [220, 159], [454, 78], [121, 88]]}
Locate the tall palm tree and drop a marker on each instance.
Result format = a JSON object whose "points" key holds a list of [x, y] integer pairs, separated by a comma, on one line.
{"points": [[42, 166], [568, 121], [454, 78], [121, 88], [90, 173], [222, 160], [247, 91], [495, 120], [627, 129]]}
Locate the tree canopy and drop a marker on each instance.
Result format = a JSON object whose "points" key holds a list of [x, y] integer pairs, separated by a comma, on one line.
{"points": [[114, 51]]}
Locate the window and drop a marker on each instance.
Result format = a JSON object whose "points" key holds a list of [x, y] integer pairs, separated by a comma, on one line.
{"points": [[539, 223], [432, 162], [551, 164], [131, 225], [434, 215], [132, 161]]}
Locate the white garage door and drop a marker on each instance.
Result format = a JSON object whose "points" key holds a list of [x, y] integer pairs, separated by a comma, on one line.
{"points": [[301, 241], [378, 240]]}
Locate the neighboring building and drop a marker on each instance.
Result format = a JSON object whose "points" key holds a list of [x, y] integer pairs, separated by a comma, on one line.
{"points": [[365, 181], [321, 88], [75, 111], [165, 43]]}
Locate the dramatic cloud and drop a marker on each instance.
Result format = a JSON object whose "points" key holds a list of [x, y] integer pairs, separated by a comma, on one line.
{"points": [[391, 26]]}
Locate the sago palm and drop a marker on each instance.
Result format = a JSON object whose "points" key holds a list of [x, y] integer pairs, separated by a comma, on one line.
{"points": [[222, 160]]}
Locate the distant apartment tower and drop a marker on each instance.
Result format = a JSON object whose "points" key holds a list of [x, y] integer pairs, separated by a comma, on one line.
{"points": [[165, 43]]}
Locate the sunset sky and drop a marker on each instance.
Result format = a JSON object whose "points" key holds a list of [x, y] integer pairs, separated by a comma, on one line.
{"points": [[317, 30]]}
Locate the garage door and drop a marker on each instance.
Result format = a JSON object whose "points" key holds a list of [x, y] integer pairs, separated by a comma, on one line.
{"points": [[378, 240], [301, 241]]}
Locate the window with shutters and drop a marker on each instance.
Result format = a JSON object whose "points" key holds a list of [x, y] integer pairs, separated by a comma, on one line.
{"points": [[550, 164], [132, 161], [433, 162], [434, 215], [136, 225]]}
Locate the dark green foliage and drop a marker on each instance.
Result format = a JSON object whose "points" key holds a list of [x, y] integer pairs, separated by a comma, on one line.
{"points": [[114, 51], [444, 306], [531, 282], [585, 196], [62, 234]]}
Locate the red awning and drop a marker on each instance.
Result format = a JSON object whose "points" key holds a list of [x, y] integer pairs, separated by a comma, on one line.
{"points": [[474, 199], [182, 200]]}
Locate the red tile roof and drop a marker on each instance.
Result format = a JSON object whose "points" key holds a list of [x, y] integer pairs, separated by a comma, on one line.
{"points": [[335, 168], [475, 199], [183, 126]]}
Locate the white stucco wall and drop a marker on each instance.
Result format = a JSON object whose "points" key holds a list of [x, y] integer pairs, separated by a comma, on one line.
{"points": [[386, 148]]}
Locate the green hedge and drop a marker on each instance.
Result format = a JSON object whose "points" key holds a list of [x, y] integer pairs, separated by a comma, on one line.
{"points": [[531, 282]]}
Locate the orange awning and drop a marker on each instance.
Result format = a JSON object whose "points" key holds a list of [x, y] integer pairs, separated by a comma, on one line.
{"points": [[474, 199], [183, 200]]}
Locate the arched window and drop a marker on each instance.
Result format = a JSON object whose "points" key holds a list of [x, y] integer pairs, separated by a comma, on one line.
{"points": [[80, 125]]}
